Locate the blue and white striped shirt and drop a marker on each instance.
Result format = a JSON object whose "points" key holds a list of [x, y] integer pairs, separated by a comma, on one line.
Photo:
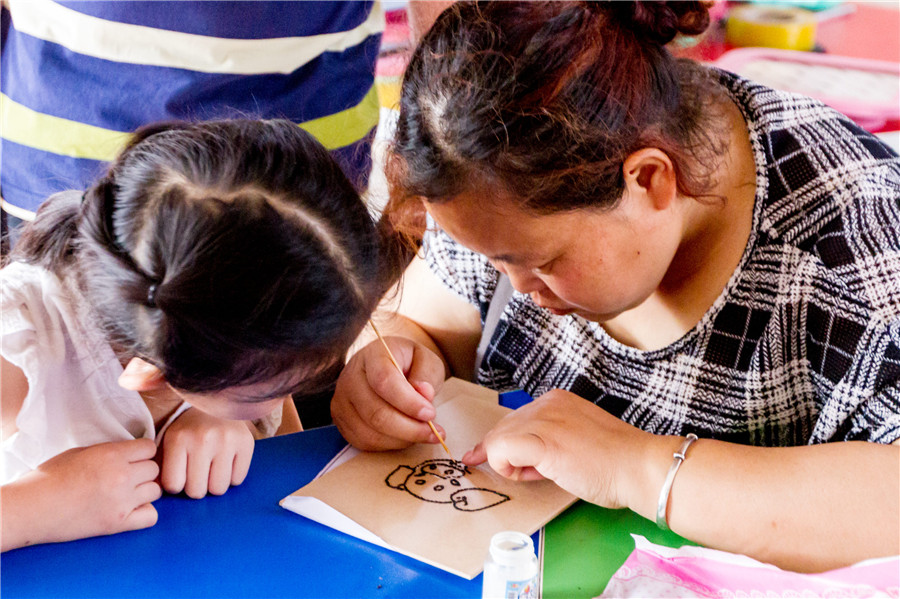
{"points": [[77, 77]]}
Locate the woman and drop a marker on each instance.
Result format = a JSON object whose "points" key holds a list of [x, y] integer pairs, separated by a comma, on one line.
{"points": [[690, 252]]}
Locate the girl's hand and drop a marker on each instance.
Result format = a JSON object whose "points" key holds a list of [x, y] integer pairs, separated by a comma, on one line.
{"points": [[376, 408], [83, 492], [202, 454], [569, 440]]}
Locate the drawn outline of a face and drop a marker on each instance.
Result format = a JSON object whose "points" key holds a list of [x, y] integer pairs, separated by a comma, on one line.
{"points": [[441, 481]]}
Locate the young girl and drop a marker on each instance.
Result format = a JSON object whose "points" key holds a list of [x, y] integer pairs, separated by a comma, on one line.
{"points": [[655, 250], [215, 270]]}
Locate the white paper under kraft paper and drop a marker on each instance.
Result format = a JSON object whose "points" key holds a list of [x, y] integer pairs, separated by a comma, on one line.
{"points": [[419, 503]]}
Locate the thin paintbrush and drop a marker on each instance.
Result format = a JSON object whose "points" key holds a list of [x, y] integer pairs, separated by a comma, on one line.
{"points": [[400, 370]]}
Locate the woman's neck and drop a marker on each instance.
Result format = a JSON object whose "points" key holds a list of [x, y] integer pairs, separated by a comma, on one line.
{"points": [[719, 225], [717, 230]]}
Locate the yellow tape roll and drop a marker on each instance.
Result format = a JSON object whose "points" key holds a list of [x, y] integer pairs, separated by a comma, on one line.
{"points": [[787, 28]]}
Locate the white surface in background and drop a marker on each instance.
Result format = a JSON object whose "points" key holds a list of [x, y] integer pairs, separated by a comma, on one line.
{"points": [[891, 138]]}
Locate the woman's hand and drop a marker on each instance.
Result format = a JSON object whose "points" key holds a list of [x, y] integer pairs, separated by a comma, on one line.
{"points": [[202, 454], [83, 492], [569, 440], [376, 408]]}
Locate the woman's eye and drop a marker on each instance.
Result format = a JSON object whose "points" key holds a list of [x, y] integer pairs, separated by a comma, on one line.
{"points": [[543, 269]]}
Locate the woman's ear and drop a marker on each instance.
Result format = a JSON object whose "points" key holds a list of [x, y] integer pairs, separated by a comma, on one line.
{"points": [[141, 376], [649, 172]]}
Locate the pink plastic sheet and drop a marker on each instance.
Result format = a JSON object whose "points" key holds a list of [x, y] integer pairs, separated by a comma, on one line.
{"points": [[657, 571]]}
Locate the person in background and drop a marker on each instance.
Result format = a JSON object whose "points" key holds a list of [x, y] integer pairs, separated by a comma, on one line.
{"points": [[167, 313], [77, 77], [673, 260], [422, 15]]}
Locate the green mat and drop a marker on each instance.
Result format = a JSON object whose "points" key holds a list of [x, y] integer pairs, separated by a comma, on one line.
{"points": [[586, 544]]}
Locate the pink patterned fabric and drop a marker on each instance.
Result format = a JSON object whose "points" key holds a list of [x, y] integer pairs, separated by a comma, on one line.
{"points": [[656, 571]]}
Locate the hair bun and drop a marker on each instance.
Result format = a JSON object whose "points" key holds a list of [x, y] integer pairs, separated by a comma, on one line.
{"points": [[661, 20]]}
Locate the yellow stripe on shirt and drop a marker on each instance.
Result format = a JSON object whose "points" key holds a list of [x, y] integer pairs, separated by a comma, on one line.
{"points": [[48, 133], [348, 126], [27, 127]]}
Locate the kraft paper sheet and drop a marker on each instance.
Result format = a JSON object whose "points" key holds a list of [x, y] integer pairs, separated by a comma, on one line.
{"points": [[419, 503]]}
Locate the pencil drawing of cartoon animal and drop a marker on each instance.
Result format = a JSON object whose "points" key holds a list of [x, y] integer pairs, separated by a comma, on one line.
{"points": [[442, 481]]}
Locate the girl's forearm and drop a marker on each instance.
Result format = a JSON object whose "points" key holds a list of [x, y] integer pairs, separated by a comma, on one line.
{"points": [[808, 508], [24, 519]]}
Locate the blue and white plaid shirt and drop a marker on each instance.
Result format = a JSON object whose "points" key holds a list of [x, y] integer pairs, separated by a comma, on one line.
{"points": [[803, 344]]}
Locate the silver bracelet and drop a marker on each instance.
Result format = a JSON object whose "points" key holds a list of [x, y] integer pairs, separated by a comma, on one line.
{"points": [[662, 505]]}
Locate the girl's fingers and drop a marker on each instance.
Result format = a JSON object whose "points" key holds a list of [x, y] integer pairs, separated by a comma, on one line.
{"points": [[220, 471], [198, 474], [240, 467], [173, 476], [138, 450], [144, 471], [143, 516], [147, 493]]}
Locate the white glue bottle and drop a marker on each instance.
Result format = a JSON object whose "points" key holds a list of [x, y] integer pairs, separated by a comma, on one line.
{"points": [[511, 569]]}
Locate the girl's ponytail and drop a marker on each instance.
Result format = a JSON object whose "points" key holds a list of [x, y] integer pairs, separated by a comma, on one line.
{"points": [[49, 239]]}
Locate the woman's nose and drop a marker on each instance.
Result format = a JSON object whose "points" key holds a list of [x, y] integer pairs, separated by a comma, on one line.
{"points": [[523, 280]]}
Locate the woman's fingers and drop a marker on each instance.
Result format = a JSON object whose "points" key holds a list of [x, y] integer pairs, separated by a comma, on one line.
{"points": [[376, 407], [395, 390], [515, 455], [364, 435], [426, 374], [475, 456]]}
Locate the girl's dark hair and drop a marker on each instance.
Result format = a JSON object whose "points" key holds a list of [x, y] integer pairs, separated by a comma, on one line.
{"points": [[545, 100], [226, 253]]}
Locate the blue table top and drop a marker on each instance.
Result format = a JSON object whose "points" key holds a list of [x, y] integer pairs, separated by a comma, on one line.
{"points": [[241, 544]]}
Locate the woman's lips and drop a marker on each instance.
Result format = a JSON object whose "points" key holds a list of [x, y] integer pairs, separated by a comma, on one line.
{"points": [[557, 311], [542, 303]]}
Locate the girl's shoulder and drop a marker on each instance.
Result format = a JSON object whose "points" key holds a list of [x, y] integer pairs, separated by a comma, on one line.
{"points": [[21, 282], [36, 305]]}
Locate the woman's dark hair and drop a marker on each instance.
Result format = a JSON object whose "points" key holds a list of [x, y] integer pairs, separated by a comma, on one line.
{"points": [[545, 100], [226, 253]]}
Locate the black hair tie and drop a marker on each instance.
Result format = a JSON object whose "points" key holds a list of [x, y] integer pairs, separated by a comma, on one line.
{"points": [[151, 295]]}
